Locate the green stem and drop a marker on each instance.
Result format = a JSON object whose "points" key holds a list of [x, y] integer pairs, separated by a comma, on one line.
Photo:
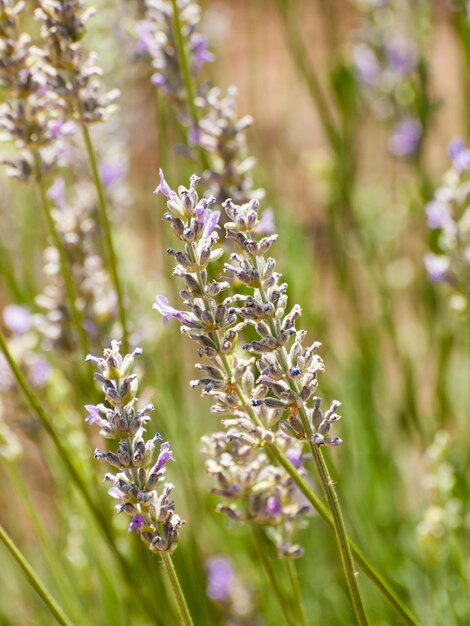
{"points": [[65, 268], [178, 594], [34, 580], [187, 78], [297, 596], [270, 574], [108, 238]]}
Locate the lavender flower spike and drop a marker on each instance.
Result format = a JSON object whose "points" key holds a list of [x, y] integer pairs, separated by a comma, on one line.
{"points": [[138, 481]]}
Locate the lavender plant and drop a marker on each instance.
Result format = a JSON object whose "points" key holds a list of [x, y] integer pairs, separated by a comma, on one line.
{"points": [[152, 511], [448, 215], [287, 380], [169, 38], [391, 72]]}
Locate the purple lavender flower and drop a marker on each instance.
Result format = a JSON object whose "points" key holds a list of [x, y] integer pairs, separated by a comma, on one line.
{"points": [[459, 154], [165, 455], [17, 318], [56, 192], [163, 187], [200, 51], [136, 523], [162, 306], [116, 493], [366, 64], [111, 173], [220, 576], [60, 128], [438, 214], [266, 223], [94, 416], [437, 267], [273, 505], [405, 138], [146, 37], [39, 371], [401, 55], [211, 220], [295, 456]]}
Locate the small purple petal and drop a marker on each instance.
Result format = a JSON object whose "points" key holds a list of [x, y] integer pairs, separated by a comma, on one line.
{"points": [[17, 318], [165, 455], [459, 154], [200, 51], [438, 214], [273, 505], [158, 80], [295, 456], [405, 139], [366, 64], [162, 306], [39, 371], [211, 219], [56, 192], [266, 223], [220, 576], [94, 416], [136, 523], [115, 492], [59, 128], [163, 187], [437, 267], [194, 138], [111, 173]]}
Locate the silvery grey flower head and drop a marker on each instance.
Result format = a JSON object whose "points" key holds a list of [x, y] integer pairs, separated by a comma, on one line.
{"points": [[33, 114], [256, 490], [76, 226], [449, 214], [220, 133], [139, 484], [77, 74], [386, 58]]}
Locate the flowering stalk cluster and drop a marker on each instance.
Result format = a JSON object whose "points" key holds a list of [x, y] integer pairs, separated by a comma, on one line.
{"points": [[387, 60], [449, 215], [77, 76], [75, 219], [139, 472], [286, 380], [210, 116], [257, 490], [32, 115]]}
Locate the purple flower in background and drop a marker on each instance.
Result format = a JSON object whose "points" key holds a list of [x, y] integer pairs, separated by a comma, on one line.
{"points": [[111, 173], [459, 154], [366, 64], [273, 505], [158, 80], [60, 128], [401, 55], [17, 318], [295, 456], [94, 416], [194, 136], [200, 51], [39, 371], [437, 267], [220, 577], [266, 224], [438, 214], [136, 523], [165, 455], [56, 192], [405, 138], [163, 187], [146, 38], [162, 306]]}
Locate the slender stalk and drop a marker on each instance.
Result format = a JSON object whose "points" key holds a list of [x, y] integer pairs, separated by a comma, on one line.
{"points": [[178, 594], [65, 457], [298, 602], [186, 75], [75, 312], [34, 580], [271, 574], [108, 238]]}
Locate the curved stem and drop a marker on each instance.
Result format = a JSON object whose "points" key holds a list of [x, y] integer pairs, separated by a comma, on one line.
{"points": [[254, 532], [186, 76], [65, 269], [34, 580], [178, 594], [298, 602], [108, 238]]}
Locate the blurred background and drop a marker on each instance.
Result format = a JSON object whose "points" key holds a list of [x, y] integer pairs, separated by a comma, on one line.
{"points": [[348, 184]]}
